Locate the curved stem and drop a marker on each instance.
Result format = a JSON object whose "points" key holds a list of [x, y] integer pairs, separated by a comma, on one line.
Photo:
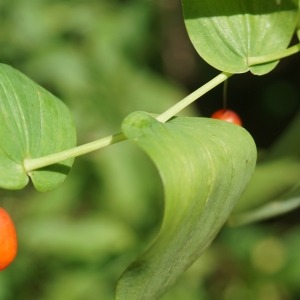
{"points": [[192, 97], [275, 56], [36, 163], [31, 164]]}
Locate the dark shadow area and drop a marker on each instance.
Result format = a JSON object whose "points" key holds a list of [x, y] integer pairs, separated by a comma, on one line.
{"points": [[214, 8], [56, 168]]}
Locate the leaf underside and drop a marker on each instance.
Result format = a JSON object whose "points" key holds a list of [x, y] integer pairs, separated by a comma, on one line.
{"points": [[205, 165], [226, 33], [33, 123]]}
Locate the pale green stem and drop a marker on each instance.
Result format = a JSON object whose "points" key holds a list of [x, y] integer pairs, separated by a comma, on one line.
{"points": [[36, 163], [192, 97], [273, 57], [225, 88]]}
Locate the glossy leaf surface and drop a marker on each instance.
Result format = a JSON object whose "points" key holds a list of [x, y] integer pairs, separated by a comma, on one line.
{"points": [[226, 33], [205, 165], [33, 123]]}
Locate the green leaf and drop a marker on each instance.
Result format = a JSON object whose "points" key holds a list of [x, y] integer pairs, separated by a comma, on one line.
{"points": [[284, 204], [226, 33], [33, 124], [205, 165], [270, 180], [90, 238], [273, 188]]}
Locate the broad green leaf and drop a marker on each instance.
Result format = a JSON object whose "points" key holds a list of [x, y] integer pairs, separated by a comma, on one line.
{"points": [[226, 33], [205, 165], [33, 124]]}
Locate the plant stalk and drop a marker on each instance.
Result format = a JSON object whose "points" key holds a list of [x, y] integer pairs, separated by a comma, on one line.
{"points": [[164, 117], [31, 164], [273, 57], [36, 163]]}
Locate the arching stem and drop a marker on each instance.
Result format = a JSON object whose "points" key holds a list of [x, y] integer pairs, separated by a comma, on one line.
{"points": [[193, 96], [36, 163], [273, 57], [31, 164]]}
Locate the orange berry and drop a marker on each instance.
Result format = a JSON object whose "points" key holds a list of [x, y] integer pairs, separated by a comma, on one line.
{"points": [[8, 240], [227, 115]]}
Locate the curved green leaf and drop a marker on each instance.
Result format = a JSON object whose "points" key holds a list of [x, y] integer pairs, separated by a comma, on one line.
{"points": [[205, 165], [33, 124], [226, 33]]}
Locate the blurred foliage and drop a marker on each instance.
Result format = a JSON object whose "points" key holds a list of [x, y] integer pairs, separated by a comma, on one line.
{"points": [[105, 59]]}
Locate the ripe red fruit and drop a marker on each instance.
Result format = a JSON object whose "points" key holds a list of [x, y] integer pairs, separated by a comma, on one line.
{"points": [[227, 115], [8, 240]]}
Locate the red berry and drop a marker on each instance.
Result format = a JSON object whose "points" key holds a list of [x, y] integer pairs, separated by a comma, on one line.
{"points": [[8, 240], [227, 115]]}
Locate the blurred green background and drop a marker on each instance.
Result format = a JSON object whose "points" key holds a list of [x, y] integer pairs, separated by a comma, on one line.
{"points": [[105, 59]]}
